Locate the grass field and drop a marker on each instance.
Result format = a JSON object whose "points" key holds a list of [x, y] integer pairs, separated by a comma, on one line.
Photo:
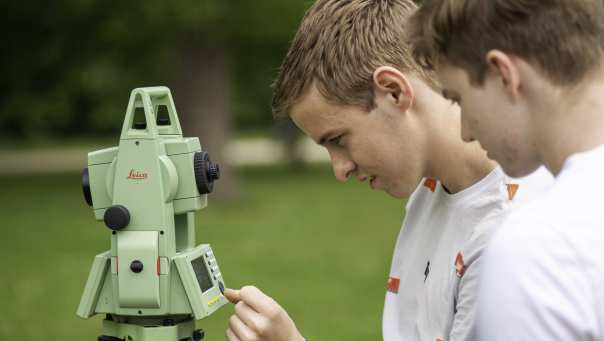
{"points": [[320, 248]]}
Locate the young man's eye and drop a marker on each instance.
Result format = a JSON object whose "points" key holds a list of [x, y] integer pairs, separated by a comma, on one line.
{"points": [[335, 140]]}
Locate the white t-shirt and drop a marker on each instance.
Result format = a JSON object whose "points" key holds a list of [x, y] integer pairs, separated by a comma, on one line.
{"points": [[432, 289], [543, 274]]}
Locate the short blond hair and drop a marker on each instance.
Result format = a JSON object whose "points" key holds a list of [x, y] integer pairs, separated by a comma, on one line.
{"points": [[564, 39], [338, 46]]}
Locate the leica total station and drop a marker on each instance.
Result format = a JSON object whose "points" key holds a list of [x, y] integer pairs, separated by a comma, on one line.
{"points": [[154, 282]]}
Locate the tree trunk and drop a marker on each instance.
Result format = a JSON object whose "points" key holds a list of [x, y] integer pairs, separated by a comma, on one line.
{"points": [[203, 96]]}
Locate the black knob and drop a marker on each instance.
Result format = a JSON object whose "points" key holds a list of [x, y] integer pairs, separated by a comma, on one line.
{"points": [[205, 172], [198, 334], [117, 217], [136, 266], [86, 187], [221, 287]]}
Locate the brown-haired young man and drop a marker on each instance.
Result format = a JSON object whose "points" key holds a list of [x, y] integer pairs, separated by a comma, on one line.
{"points": [[529, 77], [350, 83]]}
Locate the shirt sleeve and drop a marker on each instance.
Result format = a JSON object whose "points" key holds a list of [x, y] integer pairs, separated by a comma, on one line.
{"points": [[464, 319], [534, 286], [469, 268]]}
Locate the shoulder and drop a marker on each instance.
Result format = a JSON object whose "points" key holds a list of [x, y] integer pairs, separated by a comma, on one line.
{"points": [[527, 223], [531, 267], [524, 230], [519, 207], [482, 234], [532, 251], [545, 238]]}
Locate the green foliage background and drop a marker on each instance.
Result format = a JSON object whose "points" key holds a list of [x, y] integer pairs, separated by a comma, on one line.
{"points": [[68, 65]]}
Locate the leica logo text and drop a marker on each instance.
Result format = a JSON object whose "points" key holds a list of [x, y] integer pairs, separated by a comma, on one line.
{"points": [[136, 175]]}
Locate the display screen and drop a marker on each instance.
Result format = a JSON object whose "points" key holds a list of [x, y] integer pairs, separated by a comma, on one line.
{"points": [[201, 272]]}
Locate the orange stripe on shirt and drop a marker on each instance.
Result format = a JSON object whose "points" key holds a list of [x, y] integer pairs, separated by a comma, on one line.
{"points": [[512, 189], [393, 284], [431, 184], [460, 265]]}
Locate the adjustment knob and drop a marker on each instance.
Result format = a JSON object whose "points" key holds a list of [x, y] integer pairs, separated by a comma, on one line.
{"points": [[136, 266], [198, 334], [117, 217], [86, 187], [206, 172]]}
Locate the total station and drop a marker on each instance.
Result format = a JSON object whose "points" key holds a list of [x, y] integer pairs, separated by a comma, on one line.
{"points": [[154, 282]]}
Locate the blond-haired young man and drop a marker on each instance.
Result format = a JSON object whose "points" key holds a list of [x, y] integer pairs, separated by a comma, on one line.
{"points": [[350, 83], [529, 77]]}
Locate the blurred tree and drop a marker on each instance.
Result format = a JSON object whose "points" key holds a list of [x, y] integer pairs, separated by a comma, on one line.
{"points": [[69, 65]]}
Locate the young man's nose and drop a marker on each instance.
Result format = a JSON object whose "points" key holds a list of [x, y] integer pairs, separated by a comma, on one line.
{"points": [[343, 168]]}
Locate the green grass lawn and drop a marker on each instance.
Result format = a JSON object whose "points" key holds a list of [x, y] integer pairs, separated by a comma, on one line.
{"points": [[322, 249]]}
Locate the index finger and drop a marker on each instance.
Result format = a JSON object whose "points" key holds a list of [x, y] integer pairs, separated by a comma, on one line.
{"points": [[232, 295], [256, 299]]}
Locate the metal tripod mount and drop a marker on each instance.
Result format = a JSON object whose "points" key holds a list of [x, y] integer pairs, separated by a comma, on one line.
{"points": [[154, 283]]}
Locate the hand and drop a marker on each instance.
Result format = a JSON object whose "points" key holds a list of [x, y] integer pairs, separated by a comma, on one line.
{"points": [[258, 318]]}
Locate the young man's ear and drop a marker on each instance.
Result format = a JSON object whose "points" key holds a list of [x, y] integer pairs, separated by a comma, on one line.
{"points": [[392, 86], [503, 67]]}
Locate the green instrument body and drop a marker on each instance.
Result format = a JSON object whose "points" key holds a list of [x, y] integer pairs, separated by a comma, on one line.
{"points": [[154, 282]]}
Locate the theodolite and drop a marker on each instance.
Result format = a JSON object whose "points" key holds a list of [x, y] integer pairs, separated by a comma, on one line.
{"points": [[154, 283]]}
